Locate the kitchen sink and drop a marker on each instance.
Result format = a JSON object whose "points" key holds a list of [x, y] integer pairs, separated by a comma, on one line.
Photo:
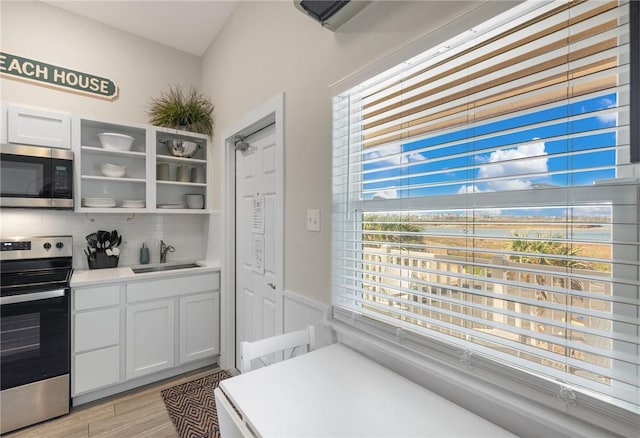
{"points": [[161, 268]]}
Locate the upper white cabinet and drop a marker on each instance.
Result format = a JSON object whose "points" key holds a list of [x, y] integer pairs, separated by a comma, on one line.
{"points": [[94, 188], [38, 127], [177, 177], [154, 180]]}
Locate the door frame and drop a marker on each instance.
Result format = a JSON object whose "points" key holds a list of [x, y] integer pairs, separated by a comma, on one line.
{"points": [[270, 111]]}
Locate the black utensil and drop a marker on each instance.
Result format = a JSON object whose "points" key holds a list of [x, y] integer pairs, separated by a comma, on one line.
{"points": [[92, 240], [102, 238], [113, 239]]}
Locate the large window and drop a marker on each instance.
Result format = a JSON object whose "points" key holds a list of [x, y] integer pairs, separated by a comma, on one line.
{"points": [[484, 197]]}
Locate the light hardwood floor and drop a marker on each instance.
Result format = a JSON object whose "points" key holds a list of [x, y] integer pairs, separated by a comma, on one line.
{"points": [[138, 413]]}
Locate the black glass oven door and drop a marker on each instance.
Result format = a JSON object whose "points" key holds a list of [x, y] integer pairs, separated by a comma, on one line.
{"points": [[35, 337]]}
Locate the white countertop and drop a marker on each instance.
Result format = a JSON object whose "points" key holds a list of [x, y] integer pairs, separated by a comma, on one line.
{"points": [[335, 391], [88, 277]]}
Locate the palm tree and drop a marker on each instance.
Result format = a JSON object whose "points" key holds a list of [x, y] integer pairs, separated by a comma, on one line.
{"points": [[389, 229], [541, 251]]}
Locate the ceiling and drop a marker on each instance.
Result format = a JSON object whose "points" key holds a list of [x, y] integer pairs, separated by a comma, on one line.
{"points": [[189, 26]]}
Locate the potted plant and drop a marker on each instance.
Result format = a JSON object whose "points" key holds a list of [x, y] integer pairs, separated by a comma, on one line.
{"points": [[189, 111]]}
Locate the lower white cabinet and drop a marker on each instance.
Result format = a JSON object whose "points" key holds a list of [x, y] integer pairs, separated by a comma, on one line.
{"points": [[199, 335], [150, 328], [122, 331]]}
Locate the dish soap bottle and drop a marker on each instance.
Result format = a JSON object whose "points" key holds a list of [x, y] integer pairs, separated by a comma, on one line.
{"points": [[144, 255]]}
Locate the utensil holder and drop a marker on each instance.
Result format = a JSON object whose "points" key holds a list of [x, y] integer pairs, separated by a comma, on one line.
{"points": [[100, 260]]}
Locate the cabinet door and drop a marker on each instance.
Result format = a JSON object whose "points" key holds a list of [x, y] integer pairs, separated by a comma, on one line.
{"points": [[150, 343], [40, 128], [199, 326]]}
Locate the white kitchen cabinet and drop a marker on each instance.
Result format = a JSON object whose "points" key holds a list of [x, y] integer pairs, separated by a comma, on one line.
{"points": [[141, 181], [170, 193], [199, 326], [143, 328], [90, 156], [150, 337], [96, 325], [38, 127]]}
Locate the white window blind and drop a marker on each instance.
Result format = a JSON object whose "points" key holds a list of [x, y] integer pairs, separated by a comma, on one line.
{"points": [[480, 199]]}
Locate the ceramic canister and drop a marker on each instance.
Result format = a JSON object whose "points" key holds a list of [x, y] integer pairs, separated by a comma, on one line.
{"points": [[183, 174], [197, 175], [162, 170]]}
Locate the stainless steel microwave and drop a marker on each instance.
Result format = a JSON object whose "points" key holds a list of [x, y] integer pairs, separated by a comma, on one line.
{"points": [[37, 177]]}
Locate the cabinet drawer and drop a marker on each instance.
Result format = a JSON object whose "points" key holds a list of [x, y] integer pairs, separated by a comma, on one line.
{"points": [[171, 287], [96, 329], [40, 128], [96, 297], [96, 369]]}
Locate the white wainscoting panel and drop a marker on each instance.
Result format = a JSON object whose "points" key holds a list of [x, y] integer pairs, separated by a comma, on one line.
{"points": [[300, 311]]}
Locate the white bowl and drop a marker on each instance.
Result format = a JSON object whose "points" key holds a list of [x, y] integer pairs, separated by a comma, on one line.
{"points": [[195, 201], [113, 170], [115, 142]]}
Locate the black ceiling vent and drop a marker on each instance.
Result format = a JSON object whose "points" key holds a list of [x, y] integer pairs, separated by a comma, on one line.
{"points": [[330, 14]]}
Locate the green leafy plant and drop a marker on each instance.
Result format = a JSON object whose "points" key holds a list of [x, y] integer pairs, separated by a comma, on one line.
{"points": [[178, 109]]}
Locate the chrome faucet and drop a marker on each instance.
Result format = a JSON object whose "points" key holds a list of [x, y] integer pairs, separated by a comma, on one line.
{"points": [[164, 249]]}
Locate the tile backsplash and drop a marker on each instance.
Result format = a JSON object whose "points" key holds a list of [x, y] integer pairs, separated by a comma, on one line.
{"points": [[188, 234]]}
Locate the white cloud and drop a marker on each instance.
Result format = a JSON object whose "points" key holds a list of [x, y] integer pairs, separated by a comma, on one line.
{"points": [[609, 118], [386, 194], [527, 158], [393, 155], [524, 159], [385, 151], [509, 184], [414, 156], [471, 188]]}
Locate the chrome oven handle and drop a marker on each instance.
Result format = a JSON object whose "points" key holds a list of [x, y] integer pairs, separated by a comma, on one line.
{"points": [[24, 298]]}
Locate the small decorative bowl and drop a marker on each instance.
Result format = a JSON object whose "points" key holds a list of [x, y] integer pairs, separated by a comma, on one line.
{"points": [[115, 142], [113, 170]]}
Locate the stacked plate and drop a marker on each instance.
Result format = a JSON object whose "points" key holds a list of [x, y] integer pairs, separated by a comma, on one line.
{"points": [[171, 206], [132, 203], [98, 202]]}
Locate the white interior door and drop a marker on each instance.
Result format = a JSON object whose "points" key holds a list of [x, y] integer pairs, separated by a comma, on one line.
{"points": [[259, 240]]}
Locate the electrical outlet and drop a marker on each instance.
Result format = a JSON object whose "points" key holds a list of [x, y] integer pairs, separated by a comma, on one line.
{"points": [[313, 220]]}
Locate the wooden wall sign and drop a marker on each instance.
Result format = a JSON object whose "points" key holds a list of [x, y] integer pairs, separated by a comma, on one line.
{"points": [[41, 73]]}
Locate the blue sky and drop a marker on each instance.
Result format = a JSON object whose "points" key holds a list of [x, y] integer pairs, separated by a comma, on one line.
{"points": [[504, 160]]}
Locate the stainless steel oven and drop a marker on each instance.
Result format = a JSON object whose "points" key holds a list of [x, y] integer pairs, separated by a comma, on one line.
{"points": [[33, 176], [35, 329]]}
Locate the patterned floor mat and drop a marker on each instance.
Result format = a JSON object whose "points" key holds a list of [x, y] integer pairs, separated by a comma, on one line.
{"points": [[192, 407]]}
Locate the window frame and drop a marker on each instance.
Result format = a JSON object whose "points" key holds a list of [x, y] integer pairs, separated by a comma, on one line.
{"points": [[453, 355]]}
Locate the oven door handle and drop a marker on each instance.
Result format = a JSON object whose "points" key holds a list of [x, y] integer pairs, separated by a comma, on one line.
{"points": [[25, 298]]}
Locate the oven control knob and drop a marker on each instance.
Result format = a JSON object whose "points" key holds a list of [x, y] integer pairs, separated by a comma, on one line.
{"points": [[59, 245], [47, 246]]}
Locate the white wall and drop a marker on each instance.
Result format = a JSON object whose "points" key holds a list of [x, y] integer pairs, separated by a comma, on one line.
{"points": [[142, 69], [270, 47]]}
